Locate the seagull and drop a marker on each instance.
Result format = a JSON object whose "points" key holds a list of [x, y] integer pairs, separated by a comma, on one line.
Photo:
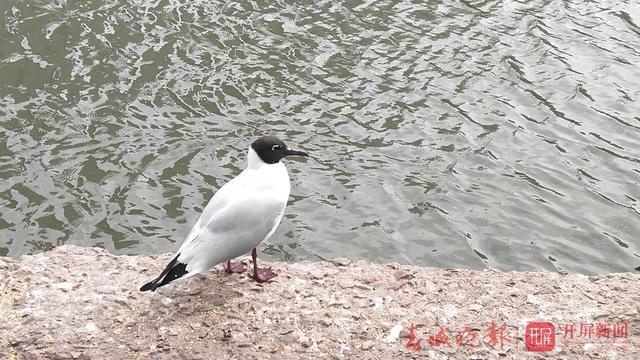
{"points": [[241, 214]]}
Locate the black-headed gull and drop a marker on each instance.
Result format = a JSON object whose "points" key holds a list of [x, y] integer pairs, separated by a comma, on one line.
{"points": [[243, 213]]}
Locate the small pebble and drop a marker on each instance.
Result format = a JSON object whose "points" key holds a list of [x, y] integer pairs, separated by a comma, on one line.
{"points": [[64, 286], [403, 274], [304, 341], [363, 286], [91, 327], [195, 290], [367, 345], [341, 262]]}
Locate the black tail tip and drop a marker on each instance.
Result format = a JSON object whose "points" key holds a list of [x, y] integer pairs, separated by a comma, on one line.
{"points": [[148, 286], [638, 268]]}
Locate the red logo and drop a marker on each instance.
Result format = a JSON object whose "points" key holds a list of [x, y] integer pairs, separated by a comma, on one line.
{"points": [[540, 336]]}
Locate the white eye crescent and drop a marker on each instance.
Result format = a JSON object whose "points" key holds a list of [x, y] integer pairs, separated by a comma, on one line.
{"points": [[276, 147]]}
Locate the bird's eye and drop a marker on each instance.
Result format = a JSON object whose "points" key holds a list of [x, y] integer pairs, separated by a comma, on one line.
{"points": [[276, 147]]}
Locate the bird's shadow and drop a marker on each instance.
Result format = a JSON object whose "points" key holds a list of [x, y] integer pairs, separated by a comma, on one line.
{"points": [[202, 292]]}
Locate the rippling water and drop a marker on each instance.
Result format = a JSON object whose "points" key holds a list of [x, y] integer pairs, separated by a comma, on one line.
{"points": [[501, 134]]}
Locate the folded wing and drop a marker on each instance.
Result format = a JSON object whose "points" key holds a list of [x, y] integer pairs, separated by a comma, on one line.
{"points": [[231, 231]]}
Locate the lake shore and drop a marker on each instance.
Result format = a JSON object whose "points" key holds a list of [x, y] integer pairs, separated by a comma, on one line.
{"points": [[83, 303]]}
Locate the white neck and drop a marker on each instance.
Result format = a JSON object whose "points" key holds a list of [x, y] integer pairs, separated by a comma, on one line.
{"points": [[273, 177], [253, 160]]}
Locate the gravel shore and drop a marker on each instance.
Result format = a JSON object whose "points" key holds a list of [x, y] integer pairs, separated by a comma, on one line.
{"points": [[83, 303]]}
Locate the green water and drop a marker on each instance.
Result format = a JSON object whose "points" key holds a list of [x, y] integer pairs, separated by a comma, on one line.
{"points": [[498, 134]]}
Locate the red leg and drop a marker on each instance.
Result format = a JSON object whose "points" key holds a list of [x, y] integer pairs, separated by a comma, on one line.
{"points": [[234, 267], [261, 275]]}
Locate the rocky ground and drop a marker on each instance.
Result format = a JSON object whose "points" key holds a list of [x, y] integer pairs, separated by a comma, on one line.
{"points": [[83, 303]]}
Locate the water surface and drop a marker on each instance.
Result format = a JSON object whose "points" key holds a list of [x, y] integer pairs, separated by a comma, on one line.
{"points": [[500, 134]]}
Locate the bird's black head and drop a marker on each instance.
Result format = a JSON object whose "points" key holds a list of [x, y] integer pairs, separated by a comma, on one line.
{"points": [[271, 149]]}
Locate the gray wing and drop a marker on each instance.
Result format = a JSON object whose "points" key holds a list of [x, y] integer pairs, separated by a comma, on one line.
{"points": [[231, 231]]}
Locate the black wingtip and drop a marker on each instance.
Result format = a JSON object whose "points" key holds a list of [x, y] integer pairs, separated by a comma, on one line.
{"points": [[148, 286], [173, 271], [638, 268]]}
